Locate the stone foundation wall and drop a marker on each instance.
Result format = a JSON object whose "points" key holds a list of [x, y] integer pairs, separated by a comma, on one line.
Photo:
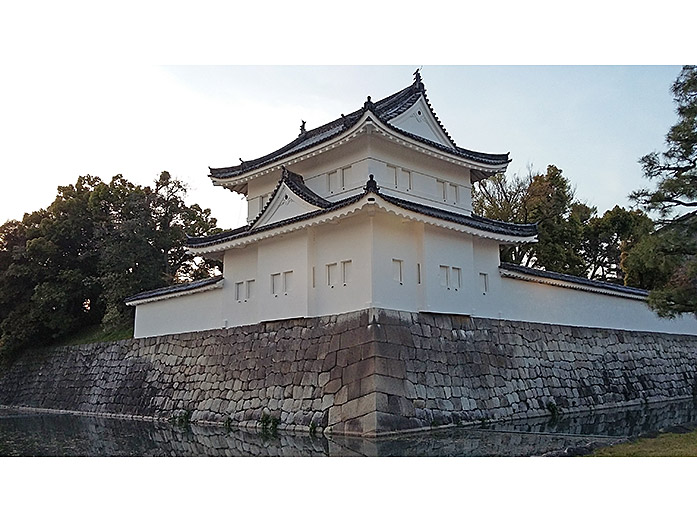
{"points": [[368, 372]]}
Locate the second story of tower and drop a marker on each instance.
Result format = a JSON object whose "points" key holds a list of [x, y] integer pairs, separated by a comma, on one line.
{"points": [[398, 139]]}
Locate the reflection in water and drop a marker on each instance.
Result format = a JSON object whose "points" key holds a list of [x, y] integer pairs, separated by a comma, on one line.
{"points": [[24, 433]]}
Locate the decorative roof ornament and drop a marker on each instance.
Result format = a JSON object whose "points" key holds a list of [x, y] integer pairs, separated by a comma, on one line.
{"points": [[418, 84], [369, 105], [302, 127], [371, 185]]}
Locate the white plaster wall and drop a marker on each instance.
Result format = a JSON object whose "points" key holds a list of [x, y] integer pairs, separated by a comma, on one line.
{"points": [[426, 172], [396, 240], [240, 266], [486, 302], [454, 251], [334, 243], [193, 312], [258, 188], [535, 302], [419, 121], [374, 155], [278, 256]]}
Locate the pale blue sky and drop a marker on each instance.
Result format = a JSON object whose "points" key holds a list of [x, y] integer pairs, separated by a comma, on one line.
{"points": [[592, 122]]}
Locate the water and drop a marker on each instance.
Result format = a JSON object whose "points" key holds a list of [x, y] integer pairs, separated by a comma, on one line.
{"points": [[24, 433]]}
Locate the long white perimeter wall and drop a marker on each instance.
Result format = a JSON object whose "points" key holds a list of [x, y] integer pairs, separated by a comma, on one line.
{"points": [[385, 261]]}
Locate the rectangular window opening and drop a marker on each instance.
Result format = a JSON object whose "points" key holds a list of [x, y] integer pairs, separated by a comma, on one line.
{"points": [[484, 281], [287, 281], [249, 290], [331, 274], [239, 290], [407, 179], [442, 190], [456, 278], [345, 272], [418, 273], [276, 283], [333, 179], [392, 174], [397, 271], [445, 276], [454, 193]]}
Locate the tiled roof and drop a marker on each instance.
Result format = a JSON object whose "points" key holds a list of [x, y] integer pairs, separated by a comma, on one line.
{"points": [[295, 183], [174, 289], [385, 110], [573, 279], [476, 222]]}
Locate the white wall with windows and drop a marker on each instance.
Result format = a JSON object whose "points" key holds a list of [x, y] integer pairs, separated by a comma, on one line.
{"points": [[379, 259], [344, 171], [340, 266], [242, 286], [283, 277]]}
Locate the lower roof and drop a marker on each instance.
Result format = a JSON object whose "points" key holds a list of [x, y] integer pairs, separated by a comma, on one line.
{"points": [[526, 232], [576, 280], [174, 290]]}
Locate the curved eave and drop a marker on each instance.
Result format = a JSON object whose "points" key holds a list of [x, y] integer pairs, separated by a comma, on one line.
{"points": [[174, 293], [367, 123], [549, 280], [367, 199]]}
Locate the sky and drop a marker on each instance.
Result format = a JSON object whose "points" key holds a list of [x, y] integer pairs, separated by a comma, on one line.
{"points": [[60, 121]]}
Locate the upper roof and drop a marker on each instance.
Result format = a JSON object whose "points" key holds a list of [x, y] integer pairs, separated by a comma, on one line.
{"points": [[320, 207], [385, 110]]}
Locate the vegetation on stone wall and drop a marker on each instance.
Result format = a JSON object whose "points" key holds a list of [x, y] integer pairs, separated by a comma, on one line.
{"points": [[70, 266]]}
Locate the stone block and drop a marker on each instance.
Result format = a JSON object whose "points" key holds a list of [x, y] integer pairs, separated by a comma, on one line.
{"points": [[353, 389], [358, 407], [341, 396], [390, 385], [358, 370]]}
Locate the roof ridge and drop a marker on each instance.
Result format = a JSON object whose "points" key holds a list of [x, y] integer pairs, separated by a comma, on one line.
{"points": [[384, 110]]}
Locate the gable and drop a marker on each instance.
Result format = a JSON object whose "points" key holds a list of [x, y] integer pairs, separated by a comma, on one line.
{"points": [[419, 120], [284, 204]]}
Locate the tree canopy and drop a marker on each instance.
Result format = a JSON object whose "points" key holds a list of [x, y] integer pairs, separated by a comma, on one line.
{"points": [[72, 264], [667, 260], [572, 238]]}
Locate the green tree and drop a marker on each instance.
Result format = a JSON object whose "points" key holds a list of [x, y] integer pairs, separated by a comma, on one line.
{"points": [[667, 261], [543, 198], [72, 264], [551, 206], [607, 240]]}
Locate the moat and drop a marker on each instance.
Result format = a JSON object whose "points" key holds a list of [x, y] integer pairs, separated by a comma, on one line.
{"points": [[27, 433]]}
